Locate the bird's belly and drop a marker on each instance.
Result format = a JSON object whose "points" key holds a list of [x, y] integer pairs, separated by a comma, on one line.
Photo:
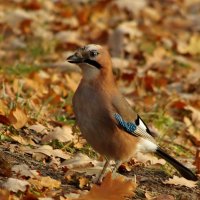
{"points": [[112, 143], [100, 130]]}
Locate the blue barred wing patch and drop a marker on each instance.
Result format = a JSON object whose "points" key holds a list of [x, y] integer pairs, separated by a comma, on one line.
{"points": [[127, 126]]}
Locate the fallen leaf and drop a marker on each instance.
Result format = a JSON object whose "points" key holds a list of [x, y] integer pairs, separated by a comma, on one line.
{"points": [[130, 28], [132, 6], [120, 63], [151, 13], [16, 17], [180, 181], [159, 55], [195, 116], [22, 140], [46, 150], [83, 181], [125, 167], [62, 134], [149, 158], [16, 185], [46, 182], [70, 196], [80, 161], [32, 5], [149, 196], [83, 164], [193, 131], [164, 197], [79, 143], [18, 118], [118, 188], [39, 128], [3, 107], [24, 170], [193, 47]]}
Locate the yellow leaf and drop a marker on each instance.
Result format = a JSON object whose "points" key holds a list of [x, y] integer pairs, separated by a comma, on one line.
{"points": [[18, 118], [193, 47], [47, 182], [83, 181], [3, 107]]}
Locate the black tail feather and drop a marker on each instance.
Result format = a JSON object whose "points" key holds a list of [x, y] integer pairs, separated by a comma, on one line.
{"points": [[184, 171]]}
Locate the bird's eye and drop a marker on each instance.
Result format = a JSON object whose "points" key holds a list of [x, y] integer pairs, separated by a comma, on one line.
{"points": [[93, 53]]}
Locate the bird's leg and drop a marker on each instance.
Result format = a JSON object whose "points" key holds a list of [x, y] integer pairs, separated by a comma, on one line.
{"points": [[117, 164], [99, 180]]}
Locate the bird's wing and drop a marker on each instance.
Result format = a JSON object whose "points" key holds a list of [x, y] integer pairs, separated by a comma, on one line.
{"points": [[128, 120]]}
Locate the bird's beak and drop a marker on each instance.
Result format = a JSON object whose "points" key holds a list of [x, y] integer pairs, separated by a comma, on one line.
{"points": [[75, 59]]}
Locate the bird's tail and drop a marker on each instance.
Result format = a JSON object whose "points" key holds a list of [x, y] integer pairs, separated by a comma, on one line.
{"points": [[184, 171]]}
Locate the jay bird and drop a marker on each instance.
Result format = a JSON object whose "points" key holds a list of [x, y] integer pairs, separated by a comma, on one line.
{"points": [[106, 119]]}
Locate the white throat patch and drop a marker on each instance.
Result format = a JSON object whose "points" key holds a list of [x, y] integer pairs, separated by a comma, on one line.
{"points": [[89, 72]]}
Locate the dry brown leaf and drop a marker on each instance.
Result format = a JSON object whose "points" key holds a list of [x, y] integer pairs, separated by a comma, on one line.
{"points": [[15, 18], [48, 198], [39, 128], [150, 158], [18, 118], [69, 36], [164, 197], [70, 196], [157, 57], [47, 150], [16, 185], [194, 45], [151, 13], [24, 170], [132, 6], [80, 161], [149, 196], [22, 140], [180, 181], [195, 116], [194, 132], [120, 63], [46, 182], [130, 28], [118, 188], [3, 107], [79, 144], [62, 134]]}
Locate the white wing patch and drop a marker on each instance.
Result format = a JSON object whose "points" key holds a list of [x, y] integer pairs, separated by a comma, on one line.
{"points": [[146, 146], [142, 125], [142, 129]]}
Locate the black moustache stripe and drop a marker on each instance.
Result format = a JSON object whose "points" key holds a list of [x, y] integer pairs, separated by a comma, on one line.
{"points": [[93, 63]]}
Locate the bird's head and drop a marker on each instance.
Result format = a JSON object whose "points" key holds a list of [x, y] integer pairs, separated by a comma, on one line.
{"points": [[94, 60]]}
